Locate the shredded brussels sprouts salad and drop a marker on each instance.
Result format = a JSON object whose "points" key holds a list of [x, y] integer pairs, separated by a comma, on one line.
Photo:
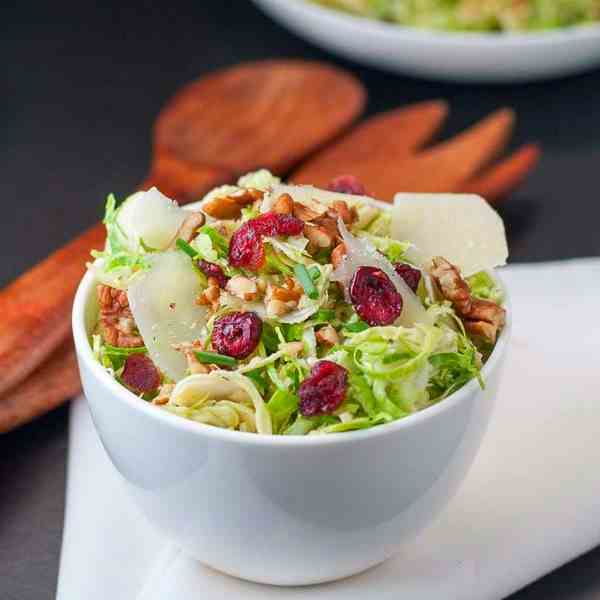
{"points": [[475, 15], [291, 310]]}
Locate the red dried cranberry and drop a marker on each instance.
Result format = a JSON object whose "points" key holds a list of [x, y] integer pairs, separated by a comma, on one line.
{"points": [[324, 390], [375, 297], [347, 184], [140, 374], [277, 224], [411, 276], [237, 334], [246, 247], [212, 270]]}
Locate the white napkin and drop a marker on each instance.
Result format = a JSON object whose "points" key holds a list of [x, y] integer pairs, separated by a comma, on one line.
{"points": [[529, 504]]}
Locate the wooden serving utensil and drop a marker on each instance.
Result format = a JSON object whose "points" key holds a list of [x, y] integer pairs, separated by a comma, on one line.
{"points": [[265, 114], [386, 153]]}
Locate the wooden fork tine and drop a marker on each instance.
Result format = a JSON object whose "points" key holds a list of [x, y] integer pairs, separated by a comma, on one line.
{"points": [[395, 134], [497, 182], [446, 166]]}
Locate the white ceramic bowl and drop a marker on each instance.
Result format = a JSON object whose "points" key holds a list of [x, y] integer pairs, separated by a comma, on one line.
{"points": [[466, 57], [284, 510]]}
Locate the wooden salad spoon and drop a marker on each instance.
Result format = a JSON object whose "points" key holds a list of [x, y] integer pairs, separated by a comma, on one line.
{"points": [[265, 114]]}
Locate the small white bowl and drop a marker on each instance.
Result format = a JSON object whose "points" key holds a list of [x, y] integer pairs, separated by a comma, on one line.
{"points": [[450, 56], [284, 510]]}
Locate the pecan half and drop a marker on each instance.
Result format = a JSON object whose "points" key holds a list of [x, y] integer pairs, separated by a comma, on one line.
{"points": [[482, 318], [230, 207], [116, 321]]}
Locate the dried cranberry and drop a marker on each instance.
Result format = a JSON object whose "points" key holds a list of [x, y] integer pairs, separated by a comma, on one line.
{"points": [[246, 247], [324, 390], [411, 276], [375, 297], [237, 334], [347, 184], [140, 374], [277, 224], [212, 270]]}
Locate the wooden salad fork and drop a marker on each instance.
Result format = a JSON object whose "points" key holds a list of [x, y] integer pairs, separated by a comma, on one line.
{"points": [[387, 154], [268, 114]]}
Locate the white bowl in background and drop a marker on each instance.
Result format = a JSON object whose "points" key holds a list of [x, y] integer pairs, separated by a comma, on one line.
{"points": [[284, 510], [450, 56]]}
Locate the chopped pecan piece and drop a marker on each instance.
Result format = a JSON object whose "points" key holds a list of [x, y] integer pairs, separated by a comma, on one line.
{"points": [[230, 207], [290, 291], [338, 255], [210, 296], [187, 230], [164, 393], [340, 208], [194, 365], [318, 237], [278, 308], [452, 285], [116, 321], [284, 205], [309, 210], [482, 318], [243, 288], [328, 336]]}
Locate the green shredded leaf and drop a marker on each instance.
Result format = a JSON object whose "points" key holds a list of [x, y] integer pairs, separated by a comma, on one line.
{"points": [[214, 358], [185, 247], [306, 281]]}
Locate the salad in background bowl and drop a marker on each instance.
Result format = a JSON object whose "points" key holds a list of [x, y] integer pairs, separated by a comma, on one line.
{"points": [[459, 40], [291, 310], [475, 15]]}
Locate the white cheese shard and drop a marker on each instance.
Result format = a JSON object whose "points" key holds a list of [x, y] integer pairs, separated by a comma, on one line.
{"points": [[162, 302], [150, 217], [462, 228]]}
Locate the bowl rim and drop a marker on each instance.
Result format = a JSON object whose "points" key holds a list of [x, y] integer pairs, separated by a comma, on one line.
{"points": [[83, 348], [444, 37]]}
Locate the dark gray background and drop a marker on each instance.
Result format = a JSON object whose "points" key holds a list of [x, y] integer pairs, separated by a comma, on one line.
{"points": [[82, 85]]}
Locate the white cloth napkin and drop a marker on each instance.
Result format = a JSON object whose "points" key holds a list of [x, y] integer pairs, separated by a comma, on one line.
{"points": [[529, 504]]}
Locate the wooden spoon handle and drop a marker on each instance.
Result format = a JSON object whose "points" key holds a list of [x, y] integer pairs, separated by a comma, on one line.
{"points": [[35, 308], [47, 388]]}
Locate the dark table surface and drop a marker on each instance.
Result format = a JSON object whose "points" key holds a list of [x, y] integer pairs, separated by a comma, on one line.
{"points": [[82, 86]]}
